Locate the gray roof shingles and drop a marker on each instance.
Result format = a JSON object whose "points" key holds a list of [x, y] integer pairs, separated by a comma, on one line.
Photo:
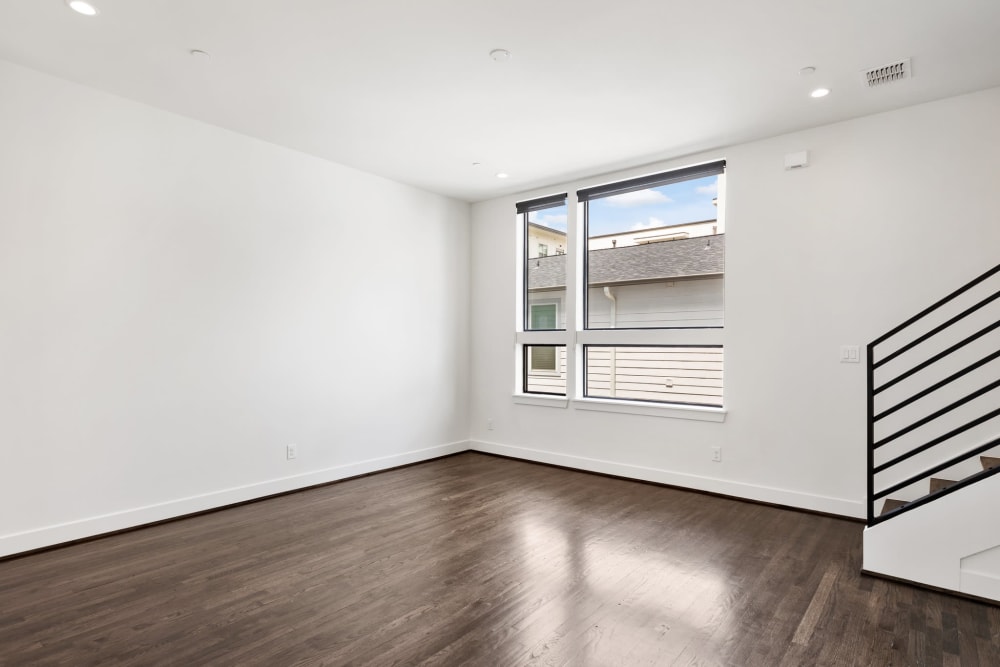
{"points": [[666, 260]]}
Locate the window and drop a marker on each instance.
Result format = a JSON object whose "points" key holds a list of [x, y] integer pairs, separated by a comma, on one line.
{"points": [[543, 291], [654, 266], [544, 224], [543, 316], [635, 310], [654, 254], [545, 369], [542, 358]]}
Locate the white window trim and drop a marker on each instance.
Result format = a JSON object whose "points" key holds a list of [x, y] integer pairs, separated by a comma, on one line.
{"points": [[651, 409], [670, 410], [541, 400]]}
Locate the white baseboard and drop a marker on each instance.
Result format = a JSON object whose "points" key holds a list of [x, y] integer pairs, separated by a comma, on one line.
{"points": [[766, 494], [980, 584], [67, 532]]}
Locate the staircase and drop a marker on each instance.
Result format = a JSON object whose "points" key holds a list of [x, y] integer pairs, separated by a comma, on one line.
{"points": [[934, 443], [939, 484]]}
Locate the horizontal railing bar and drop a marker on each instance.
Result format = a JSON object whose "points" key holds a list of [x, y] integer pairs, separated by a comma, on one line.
{"points": [[937, 357], [948, 380], [930, 309], [938, 329], [923, 500], [938, 468], [934, 415], [936, 441]]}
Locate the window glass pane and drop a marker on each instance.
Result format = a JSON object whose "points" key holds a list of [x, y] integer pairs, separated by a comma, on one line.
{"points": [[543, 315], [690, 375], [656, 257], [545, 268], [545, 369]]}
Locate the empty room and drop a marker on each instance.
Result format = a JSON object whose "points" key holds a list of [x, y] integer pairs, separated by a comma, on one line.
{"points": [[468, 333]]}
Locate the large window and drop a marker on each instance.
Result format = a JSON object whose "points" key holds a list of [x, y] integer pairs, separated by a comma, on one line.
{"points": [[636, 312], [655, 250], [544, 224], [543, 229]]}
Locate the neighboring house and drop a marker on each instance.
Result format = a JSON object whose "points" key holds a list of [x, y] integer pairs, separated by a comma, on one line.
{"points": [[657, 234], [666, 284], [545, 241]]}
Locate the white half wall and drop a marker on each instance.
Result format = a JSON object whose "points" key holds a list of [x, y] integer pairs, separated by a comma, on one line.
{"points": [[951, 543], [181, 302], [894, 211]]}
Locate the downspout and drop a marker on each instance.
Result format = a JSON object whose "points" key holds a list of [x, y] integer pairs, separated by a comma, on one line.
{"points": [[612, 363]]}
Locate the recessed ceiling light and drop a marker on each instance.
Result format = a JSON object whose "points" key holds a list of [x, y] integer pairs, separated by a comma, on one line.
{"points": [[81, 7], [500, 55], [199, 54], [501, 174], [820, 92], [805, 71]]}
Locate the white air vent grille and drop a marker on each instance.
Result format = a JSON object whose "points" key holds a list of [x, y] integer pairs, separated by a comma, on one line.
{"points": [[897, 71]]}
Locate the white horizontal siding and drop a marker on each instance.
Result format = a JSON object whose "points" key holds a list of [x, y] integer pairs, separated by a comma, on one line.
{"points": [[674, 374], [686, 303]]}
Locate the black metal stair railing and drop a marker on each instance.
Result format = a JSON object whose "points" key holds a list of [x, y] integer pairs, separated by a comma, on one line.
{"points": [[878, 359]]}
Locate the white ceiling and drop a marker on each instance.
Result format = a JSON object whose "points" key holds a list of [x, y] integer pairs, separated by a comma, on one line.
{"points": [[406, 88]]}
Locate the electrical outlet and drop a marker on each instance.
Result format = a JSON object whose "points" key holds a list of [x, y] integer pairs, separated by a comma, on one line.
{"points": [[717, 454], [489, 424], [291, 452]]}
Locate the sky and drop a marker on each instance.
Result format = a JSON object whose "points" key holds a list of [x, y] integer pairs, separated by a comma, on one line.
{"points": [[674, 204]]}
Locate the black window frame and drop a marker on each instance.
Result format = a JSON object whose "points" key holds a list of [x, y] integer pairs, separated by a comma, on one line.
{"points": [[586, 195], [524, 209]]}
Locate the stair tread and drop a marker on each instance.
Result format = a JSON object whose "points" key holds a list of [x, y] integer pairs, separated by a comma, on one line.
{"points": [[939, 483], [989, 462], [892, 504]]}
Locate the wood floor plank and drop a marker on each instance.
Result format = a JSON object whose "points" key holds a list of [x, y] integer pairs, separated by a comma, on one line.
{"points": [[478, 560]]}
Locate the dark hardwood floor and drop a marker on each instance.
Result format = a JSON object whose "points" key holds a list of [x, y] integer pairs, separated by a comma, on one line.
{"points": [[477, 560]]}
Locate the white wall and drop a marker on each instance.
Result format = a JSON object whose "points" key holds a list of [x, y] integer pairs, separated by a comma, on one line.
{"points": [[179, 302], [833, 254]]}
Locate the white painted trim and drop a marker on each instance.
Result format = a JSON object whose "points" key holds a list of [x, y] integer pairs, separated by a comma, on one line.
{"points": [[767, 494], [67, 532], [544, 401], [557, 337], [696, 412]]}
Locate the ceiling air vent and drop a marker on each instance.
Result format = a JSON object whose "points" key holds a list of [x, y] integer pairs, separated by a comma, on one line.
{"points": [[897, 71]]}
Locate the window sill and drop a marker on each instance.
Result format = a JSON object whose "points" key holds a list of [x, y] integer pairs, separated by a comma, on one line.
{"points": [[695, 412], [542, 400]]}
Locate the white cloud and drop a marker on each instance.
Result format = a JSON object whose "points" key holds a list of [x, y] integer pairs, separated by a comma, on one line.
{"points": [[555, 221], [639, 198], [712, 189], [649, 224], [552, 219]]}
